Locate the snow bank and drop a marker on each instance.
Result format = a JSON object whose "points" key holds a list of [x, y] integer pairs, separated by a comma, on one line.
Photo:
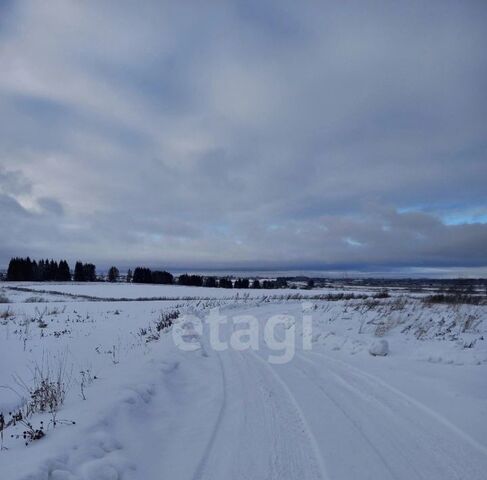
{"points": [[379, 348]]}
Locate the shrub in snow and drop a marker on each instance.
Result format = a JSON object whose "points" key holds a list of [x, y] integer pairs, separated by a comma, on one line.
{"points": [[379, 348], [165, 321], [4, 299]]}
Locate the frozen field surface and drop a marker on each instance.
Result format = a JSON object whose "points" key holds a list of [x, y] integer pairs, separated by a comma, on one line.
{"points": [[111, 291], [275, 401]]}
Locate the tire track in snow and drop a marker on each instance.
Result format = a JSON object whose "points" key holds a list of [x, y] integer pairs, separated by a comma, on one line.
{"points": [[376, 381], [307, 430], [404, 435], [201, 469], [355, 423]]}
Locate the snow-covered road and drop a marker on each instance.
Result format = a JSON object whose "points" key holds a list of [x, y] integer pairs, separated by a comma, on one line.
{"points": [[314, 417]]}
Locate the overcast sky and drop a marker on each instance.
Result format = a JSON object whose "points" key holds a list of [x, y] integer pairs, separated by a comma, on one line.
{"points": [[324, 135]]}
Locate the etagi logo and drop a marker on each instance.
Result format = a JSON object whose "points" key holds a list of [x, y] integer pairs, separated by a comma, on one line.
{"points": [[276, 336]]}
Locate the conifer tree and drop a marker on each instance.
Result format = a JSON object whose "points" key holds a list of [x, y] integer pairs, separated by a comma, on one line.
{"points": [[113, 274], [79, 274]]}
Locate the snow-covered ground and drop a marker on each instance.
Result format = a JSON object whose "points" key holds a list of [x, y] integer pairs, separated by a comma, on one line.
{"points": [[130, 291], [192, 402]]}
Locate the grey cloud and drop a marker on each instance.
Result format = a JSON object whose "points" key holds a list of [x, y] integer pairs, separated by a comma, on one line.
{"points": [[13, 182], [50, 206], [246, 132]]}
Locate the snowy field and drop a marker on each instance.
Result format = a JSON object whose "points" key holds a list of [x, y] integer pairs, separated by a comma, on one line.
{"points": [[208, 384], [124, 291]]}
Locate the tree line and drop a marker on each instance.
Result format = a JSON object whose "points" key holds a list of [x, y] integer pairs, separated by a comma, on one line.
{"points": [[25, 269], [84, 272], [146, 275]]}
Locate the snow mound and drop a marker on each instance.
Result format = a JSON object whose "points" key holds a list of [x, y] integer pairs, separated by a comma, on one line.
{"points": [[379, 348]]}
